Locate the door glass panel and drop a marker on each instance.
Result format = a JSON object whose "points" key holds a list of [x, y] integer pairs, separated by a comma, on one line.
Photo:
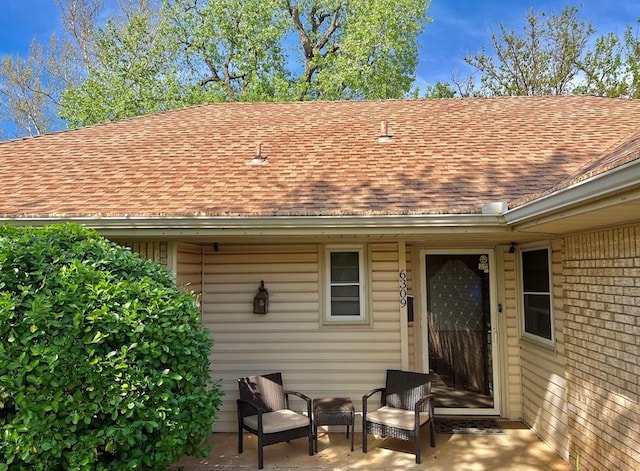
{"points": [[459, 330]]}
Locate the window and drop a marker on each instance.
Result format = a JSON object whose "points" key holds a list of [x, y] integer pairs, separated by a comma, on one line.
{"points": [[536, 293], [345, 284]]}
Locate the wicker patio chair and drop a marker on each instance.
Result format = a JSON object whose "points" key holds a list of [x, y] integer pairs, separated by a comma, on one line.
{"points": [[406, 406], [263, 409]]}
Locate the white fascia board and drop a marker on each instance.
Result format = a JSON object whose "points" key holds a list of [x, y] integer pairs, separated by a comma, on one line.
{"points": [[620, 179], [282, 225]]}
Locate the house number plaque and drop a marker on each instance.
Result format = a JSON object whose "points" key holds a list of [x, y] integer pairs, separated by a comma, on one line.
{"points": [[403, 288]]}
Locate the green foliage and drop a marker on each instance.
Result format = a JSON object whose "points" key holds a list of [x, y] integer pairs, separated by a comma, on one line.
{"points": [[155, 55], [201, 51], [31, 86], [554, 55], [132, 75], [230, 49], [603, 68], [440, 90], [372, 54], [266, 50], [542, 60], [612, 67], [28, 84], [103, 362]]}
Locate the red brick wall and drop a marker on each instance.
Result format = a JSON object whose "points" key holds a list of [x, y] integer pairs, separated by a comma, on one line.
{"points": [[602, 333]]}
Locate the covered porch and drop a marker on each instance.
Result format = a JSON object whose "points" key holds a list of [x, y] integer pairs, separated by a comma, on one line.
{"points": [[517, 449]]}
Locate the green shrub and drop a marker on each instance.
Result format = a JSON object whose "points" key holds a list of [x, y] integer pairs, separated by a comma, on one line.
{"points": [[103, 362]]}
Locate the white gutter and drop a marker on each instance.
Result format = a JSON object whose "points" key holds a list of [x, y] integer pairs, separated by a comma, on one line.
{"points": [[281, 225], [578, 198]]}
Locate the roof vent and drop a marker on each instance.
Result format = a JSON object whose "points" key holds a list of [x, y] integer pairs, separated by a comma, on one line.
{"points": [[384, 137], [258, 159]]}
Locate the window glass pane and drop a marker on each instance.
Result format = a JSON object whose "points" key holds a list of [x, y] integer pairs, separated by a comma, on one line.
{"points": [[349, 291], [344, 267], [537, 315], [535, 271], [345, 307], [345, 300]]}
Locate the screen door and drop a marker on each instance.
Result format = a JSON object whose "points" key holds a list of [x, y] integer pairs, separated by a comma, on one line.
{"points": [[459, 332]]}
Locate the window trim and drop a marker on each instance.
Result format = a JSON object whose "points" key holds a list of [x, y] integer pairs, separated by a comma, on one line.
{"points": [[530, 335], [362, 318]]}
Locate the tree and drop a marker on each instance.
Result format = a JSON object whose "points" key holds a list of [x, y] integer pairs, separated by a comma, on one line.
{"points": [[251, 50], [632, 46], [300, 50], [132, 75], [357, 49], [440, 90], [103, 361], [543, 60], [612, 67], [24, 92], [554, 55], [31, 87], [231, 49]]}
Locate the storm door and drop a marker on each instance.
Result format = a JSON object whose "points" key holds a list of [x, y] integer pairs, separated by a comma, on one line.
{"points": [[459, 334]]}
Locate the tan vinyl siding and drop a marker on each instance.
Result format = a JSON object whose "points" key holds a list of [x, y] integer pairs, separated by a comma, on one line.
{"points": [[509, 337], [189, 275], [158, 251], [545, 400], [316, 359], [544, 388]]}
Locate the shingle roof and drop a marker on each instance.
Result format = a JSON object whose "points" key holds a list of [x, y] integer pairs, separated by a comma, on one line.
{"points": [[622, 153], [324, 158]]}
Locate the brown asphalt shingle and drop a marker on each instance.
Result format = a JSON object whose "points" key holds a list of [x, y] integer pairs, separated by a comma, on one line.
{"points": [[446, 156]]}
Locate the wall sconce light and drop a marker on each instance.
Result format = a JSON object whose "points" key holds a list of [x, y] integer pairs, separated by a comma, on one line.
{"points": [[512, 249], [261, 300]]}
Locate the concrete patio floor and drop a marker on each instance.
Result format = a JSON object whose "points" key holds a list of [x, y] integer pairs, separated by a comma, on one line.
{"points": [[518, 449]]}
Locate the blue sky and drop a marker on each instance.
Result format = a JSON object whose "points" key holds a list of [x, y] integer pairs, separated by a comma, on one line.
{"points": [[459, 27]]}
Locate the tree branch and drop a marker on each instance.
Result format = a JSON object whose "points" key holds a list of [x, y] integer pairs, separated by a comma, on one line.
{"points": [[322, 42]]}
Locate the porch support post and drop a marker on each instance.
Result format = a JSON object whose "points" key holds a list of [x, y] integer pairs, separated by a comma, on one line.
{"points": [[172, 259], [402, 297]]}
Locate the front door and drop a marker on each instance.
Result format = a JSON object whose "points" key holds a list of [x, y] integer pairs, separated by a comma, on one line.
{"points": [[459, 333]]}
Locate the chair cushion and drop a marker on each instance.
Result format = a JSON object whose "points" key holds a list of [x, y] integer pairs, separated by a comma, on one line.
{"points": [[398, 418], [283, 419]]}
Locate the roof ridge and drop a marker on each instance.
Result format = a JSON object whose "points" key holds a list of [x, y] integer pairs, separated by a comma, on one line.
{"points": [[314, 103]]}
